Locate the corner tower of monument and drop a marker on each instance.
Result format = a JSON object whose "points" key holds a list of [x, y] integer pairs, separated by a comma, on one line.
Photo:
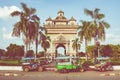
{"points": [[61, 31]]}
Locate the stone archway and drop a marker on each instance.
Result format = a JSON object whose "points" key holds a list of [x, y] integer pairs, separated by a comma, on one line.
{"points": [[61, 31], [60, 45]]}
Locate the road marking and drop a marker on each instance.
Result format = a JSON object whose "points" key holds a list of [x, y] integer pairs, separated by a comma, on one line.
{"points": [[9, 74]]}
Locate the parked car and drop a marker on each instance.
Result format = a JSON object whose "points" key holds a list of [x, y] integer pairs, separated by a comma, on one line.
{"points": [[67, 64], [85, 65], [104, 65], [29, 64]]}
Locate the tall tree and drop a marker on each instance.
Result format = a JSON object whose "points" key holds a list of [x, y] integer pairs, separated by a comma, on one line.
{"points": [[27, 26], [45, 42], [14, 50], [98, 25], [84, 33], [2, 52], [107, 51], [76, 45]]}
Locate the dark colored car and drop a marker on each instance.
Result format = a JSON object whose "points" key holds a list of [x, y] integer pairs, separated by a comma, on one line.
{"points": [[29, 64]]}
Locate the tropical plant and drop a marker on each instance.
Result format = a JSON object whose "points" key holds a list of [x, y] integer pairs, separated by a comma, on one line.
{"points": [[84, 33], [28, 26], [98, 25], [45, 42], [116, 51], [81, 54], [14, 50], [107, 51], [76, 45], [92, 51], [2, 52], [30, 53], [40, 54]]}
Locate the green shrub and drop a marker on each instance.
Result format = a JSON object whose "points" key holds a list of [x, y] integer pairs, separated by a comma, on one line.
{"points": [[9, 63], [115, 62]]}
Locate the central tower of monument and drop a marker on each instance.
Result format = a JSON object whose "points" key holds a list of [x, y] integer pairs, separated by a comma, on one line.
{"points": [[61, 31]]}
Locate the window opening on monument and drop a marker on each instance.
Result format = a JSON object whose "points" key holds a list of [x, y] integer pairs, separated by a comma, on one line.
{"points": [[60, 51]]}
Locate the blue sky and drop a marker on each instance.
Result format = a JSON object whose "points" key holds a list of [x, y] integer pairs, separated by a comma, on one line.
{"points": [[46, 8]]}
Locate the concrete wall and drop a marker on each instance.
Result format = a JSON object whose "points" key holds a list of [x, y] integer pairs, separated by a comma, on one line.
{"points": [[18, 68]]}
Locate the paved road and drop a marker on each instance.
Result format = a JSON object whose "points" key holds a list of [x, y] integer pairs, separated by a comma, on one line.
{"points": [[50, 75], [60, 78]]}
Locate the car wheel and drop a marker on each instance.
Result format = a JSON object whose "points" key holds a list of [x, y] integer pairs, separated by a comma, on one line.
{"points": [[103, 69], [26, 69], [64, 70], [60, 71], [111, 68], [77, 69], [82, 70], [40, 69]]}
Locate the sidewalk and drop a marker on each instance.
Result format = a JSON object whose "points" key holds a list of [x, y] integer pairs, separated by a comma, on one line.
{"points": [[19, 68], [114, 67]]}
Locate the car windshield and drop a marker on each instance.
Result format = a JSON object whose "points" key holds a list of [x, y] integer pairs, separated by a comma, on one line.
{"points": [[63, 60], [27, 60]]}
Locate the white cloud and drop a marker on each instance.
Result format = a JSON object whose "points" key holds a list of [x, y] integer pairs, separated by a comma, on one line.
{"points": [[4, 29], [112, 38], [8, 36], [5, 11], [109, 35]]}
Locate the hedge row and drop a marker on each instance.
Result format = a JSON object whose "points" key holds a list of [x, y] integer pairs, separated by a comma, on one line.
{"points": [[9, 63]]}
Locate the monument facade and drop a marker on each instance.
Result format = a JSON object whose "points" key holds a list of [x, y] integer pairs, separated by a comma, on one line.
{"points": [[62, 32]]}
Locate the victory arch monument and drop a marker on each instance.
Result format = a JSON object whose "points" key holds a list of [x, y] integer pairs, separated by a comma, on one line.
{"points": [[62, 32]]}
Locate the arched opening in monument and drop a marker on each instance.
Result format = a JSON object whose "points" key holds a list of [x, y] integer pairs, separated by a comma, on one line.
{"points": [[60, 50]]}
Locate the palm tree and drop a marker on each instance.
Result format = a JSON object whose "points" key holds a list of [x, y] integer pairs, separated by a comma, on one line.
{"points": [[27, 25], [84, 33], [76, 45], [98, 25], [36, 19], [45, 42]]}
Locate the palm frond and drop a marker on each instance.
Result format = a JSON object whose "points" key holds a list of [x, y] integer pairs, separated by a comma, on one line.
{"points": [[32, 10], [35, 17], [105, 24], [15, 13], [96, 10], [88, 12], [25, 8], [100, 16]]}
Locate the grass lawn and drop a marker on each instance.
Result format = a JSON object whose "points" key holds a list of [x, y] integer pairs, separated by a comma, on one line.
{"points": [[9, 62]]}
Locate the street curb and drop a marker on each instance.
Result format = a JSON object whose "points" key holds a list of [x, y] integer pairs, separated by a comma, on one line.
{"points": [[51, 69]]}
